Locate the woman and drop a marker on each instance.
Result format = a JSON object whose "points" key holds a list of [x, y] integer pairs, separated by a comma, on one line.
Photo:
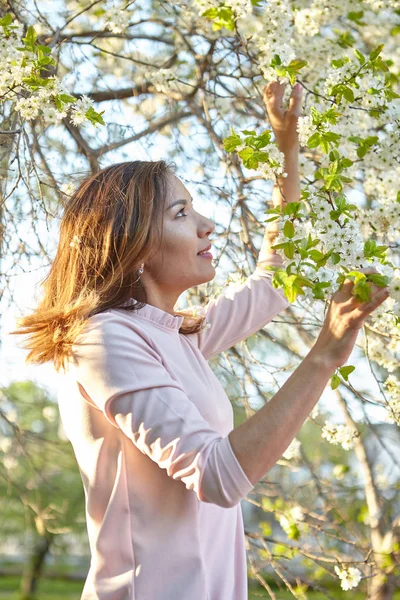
{"points": [[163, 469]]}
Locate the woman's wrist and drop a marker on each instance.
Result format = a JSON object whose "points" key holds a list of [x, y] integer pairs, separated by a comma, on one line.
{"points": [[321, 360]]}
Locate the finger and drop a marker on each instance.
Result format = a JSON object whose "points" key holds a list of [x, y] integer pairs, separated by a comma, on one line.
{"points": [[367, 307], [295, 101], [368, 270], [350, 304], [346, 288], [273, 94]]}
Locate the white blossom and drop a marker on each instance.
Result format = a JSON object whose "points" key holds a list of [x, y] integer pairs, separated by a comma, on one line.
{"points": [[293, 450], [339, 434], [81, 106], [308, 21], [349, 577], [392, 387], [305, 128], [117, 18], [162, 79], [394, 285]]}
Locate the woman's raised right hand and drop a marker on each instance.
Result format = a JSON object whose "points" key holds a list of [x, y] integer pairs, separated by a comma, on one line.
{"points": [[345, 317]]}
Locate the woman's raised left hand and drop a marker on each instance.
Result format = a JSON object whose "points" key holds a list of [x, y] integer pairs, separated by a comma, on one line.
{"points": [[283, 121]]}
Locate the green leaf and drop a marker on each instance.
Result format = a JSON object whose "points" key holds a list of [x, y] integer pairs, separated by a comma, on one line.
{"points": [[58, 103], [330, 136], [345, 371], [30, 36], [324, 145], [94, 116], [223, 16], [355, 276], [278, 246], [362, 290], [335, 381], [288, 229], [289, 249], [291, 292], [361, 151], [348, 93], [316, 255], [381, 64], [67, 98], [232, 141], [292, 208], [346, 162], [355, 16], [371, 249], [314, 140], [378, 279], [6, 20], [318, 290], [338, 62], [275, 61], [44, 49], [263, 139], [376, 52], [304, 281], [334, 155], [246, 153], [210, 13], [335, 258]]}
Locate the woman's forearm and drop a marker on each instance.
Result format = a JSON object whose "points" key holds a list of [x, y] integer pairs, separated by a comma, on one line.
{"points": [[287, 191], [261, 440]]}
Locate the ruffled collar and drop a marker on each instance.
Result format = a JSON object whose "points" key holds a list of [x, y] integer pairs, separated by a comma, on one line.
{"points": [[157, 315]]}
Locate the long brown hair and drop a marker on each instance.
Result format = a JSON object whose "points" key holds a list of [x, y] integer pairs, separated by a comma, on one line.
{"points": [[110, 225]]}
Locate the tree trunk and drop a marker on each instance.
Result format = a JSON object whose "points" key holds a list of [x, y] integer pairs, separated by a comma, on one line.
{"points": [[34, 566], [382, 587]]}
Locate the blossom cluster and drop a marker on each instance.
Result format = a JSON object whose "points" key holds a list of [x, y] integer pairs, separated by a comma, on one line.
{"points": [[27, 82], [291, 519], [241, 8], [257, 152], [349, 133], [117, 17], [163, 80], [392, 387], [349, 577], [339, 435]]}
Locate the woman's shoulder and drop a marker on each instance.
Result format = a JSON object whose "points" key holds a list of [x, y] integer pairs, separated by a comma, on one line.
{"points": [[112, 327]]}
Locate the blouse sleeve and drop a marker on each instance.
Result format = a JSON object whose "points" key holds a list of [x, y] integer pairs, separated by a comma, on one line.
{"points": [[124, 377], [241, 310]]}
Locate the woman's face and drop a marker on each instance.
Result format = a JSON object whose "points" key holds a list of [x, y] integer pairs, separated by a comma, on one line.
{"points": [[178, 267]]}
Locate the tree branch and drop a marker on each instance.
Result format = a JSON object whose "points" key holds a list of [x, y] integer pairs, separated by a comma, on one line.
{"points": [[154, 127]]}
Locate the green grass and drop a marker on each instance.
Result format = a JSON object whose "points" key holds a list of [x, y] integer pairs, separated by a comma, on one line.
{"points": [[48, 589], [337, 593], [57, 589]]}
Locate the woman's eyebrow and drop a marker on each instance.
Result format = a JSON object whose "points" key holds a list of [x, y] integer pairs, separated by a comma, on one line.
{"points": [[180, 201]]}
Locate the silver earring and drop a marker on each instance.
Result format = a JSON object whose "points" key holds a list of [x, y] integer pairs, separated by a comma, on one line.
{"points": [[141, 268]]}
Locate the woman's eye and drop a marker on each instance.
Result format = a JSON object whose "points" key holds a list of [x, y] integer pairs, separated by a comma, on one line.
{"points": [[182, 209]]}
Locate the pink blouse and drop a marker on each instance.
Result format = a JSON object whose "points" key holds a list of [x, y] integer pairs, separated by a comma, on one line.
{"points": [[163, 485]]}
